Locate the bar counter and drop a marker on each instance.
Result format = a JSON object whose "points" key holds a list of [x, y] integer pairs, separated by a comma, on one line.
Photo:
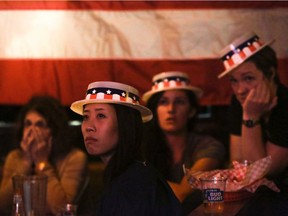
{"points": [[264, 202], [230, 209]]}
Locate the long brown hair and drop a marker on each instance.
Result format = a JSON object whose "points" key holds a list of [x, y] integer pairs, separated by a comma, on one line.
{"points": [[266, 61], [155, 148], [56, 117], [128, 148]]}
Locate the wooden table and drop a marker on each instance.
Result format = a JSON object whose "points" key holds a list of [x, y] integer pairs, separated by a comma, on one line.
{"points": [[263, 202], [230, 209]]}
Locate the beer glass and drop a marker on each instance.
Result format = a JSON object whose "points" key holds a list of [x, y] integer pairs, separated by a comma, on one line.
{"points": [[213, 189], [32, 188]]}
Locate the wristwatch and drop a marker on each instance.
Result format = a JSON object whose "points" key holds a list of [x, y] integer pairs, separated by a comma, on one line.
{"points": [[249, 123]]}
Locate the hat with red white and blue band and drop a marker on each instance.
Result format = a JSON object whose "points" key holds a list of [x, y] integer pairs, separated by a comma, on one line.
{"points": [[240, 50], [171, 80], [112, 92]]}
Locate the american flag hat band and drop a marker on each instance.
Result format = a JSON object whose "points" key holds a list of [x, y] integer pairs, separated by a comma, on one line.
{"points": [[240, 50], [112, 92], [171, 80]]}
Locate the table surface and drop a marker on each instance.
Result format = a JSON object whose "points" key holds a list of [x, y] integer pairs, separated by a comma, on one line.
{"points": [[230, 209]]}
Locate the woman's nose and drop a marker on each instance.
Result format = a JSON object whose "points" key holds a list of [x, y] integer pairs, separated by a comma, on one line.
{"points": [[171, 107], [241, 88], [90, 126], [29, 131], [90, 129]]}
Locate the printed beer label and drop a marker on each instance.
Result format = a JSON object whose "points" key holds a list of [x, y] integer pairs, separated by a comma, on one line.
{"points": [[214, 195]]}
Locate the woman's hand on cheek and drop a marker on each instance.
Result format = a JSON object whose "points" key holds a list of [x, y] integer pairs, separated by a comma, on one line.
{"points": [[42, 147], [258, 102], [26, 143]]}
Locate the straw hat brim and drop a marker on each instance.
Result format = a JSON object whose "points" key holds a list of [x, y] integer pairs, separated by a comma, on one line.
{"points": [[237, 65], [146, 96], [77, 107]]}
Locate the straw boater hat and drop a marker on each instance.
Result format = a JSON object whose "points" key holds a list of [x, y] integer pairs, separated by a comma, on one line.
{"points": [[171, 80], [112, 92], [240, 50]]}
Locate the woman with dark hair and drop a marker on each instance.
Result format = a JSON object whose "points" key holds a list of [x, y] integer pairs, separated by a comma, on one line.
{"points": [[257, 118], [127, 150], [112, 129], [44, 148], [170, 141], [258, 113]]}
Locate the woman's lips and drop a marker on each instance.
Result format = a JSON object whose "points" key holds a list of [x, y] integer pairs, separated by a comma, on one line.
{"points": [[170, 119], [90, 139]]}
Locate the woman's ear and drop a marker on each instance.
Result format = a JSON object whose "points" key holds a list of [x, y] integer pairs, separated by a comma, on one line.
{"points": [[271, 83], [273, 74]]}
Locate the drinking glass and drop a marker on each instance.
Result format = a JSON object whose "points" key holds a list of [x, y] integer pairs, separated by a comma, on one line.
{"points": [[33, 189], [213, 189]]}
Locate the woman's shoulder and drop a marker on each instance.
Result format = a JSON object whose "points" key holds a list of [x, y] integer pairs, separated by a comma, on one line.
{"points": [[282, 93], [278, 112], [138, 176], [140, 186], [14, 153], [76, 154], [202, 139], [138, 169], [206, 143], [142, 176]]}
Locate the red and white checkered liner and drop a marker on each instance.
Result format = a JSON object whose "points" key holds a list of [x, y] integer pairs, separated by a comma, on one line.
{"points": [[239, 178]]}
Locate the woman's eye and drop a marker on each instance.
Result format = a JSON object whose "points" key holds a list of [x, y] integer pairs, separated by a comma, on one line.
{"points": [[27, 123], [100, 115], [232, 80], [85, 117], [180, 102], [162, 102], [41, 124], [249, 78]]}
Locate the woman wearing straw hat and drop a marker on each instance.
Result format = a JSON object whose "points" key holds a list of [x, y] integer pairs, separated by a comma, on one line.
{"points": [[169, 140], [258, 115], [112, 129]]}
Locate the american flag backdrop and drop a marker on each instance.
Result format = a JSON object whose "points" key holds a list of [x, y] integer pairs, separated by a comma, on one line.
{"points": [[59, 47]]}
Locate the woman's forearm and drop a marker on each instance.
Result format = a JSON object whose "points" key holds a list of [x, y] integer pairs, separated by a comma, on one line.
{"points": [[253, 146]]}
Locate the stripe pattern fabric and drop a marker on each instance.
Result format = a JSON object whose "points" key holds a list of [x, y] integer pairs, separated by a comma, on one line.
{"points": [[58, 47]]}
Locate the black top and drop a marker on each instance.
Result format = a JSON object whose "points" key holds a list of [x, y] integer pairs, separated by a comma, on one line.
{"points": [[275, 130], [140, 191]]}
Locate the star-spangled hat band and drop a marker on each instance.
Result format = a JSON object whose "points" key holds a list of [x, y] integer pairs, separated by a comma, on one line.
{"points": [[240, 50], [112, 92], [171, 80]]}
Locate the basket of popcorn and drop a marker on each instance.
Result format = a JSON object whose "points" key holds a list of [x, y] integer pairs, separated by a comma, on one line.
{"points": [[242, 180]]}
